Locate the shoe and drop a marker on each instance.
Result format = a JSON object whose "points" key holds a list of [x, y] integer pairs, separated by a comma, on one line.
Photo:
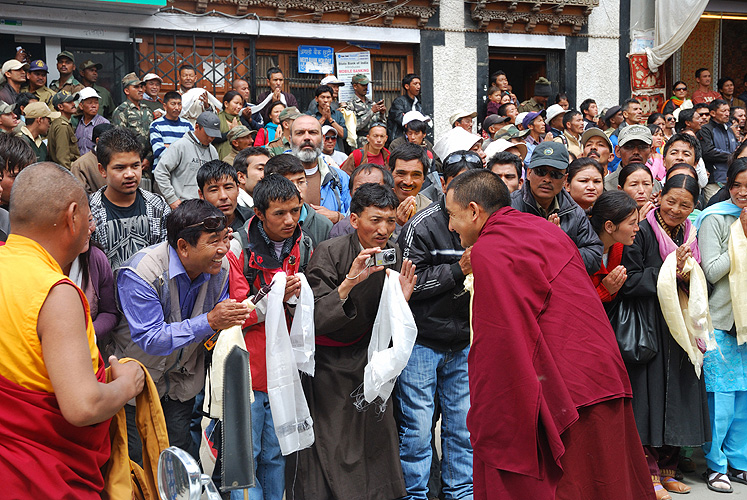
{"points": [[715, 479], [661, 493], [674, 486], [687, 465], [739, 476]]}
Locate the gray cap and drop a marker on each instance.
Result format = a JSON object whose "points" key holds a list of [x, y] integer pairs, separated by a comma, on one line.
{"points": [[634, 133], [210, 122], [595, 132], [549, 154]]}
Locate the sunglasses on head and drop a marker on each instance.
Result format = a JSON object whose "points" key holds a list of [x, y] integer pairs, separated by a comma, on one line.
{"points": [[554, 172], [212, 223], [469, 157]]}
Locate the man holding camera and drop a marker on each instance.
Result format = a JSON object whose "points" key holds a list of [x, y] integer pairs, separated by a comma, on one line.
{"points": [[344, 315]]}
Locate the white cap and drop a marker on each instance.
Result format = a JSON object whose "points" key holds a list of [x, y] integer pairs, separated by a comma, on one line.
{"points": [[461, 114], [331, 79], [553, 111], [456, 139], [87, 93], [520, 118], [13, 64], [152, 76], [415, 115], [328, 128], [500, 145]]}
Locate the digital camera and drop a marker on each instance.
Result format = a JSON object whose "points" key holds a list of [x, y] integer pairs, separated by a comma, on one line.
{"points": [[386, 257]]}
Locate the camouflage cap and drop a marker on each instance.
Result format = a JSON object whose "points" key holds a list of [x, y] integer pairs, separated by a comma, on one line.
{"points": [[361, 79], [66, 53], [63, 96], [90, 64], [238, 132], [130, 79], [289, 113]]}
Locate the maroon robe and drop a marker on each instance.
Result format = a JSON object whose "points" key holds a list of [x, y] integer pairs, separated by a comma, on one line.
{"points": [[543, 352]]}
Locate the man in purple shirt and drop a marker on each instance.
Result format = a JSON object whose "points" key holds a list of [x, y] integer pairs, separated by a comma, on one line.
{"points": [[89, 105], [173, 297]]}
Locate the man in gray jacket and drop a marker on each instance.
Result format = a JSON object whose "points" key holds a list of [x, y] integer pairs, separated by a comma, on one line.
{"points": [[176, 172], [542, 194]]}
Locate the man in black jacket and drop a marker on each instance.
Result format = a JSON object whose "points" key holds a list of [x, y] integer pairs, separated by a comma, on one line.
{"points": [[718, 141], [409, 101], [543, 195], [437, 367]]}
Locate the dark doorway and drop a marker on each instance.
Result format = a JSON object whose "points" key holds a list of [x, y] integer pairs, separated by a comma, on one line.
{"points": [[115, 58], [522, 71], [34, 46]]}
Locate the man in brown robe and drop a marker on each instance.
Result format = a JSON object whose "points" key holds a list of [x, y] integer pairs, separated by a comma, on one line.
{"points": [[356, 452]]}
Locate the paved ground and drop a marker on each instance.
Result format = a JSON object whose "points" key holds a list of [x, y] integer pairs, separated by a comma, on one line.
{"points": [[700, 491]]}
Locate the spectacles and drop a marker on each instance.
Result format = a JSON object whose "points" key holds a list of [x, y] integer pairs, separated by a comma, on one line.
{"points": [[467, 156], [212, 223], [680, 89], [671, 119], [554, 172]]}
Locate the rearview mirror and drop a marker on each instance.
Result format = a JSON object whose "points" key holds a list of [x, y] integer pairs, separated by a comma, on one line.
{"points": [[180, 478]]}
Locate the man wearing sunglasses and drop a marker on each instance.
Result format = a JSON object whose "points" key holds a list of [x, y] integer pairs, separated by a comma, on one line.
{"points": [[633, 146], [131, 114], [543, 195], [173, 297]]}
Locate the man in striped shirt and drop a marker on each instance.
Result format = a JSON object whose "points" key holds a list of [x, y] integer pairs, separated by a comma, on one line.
{"points": [[170, 127]]}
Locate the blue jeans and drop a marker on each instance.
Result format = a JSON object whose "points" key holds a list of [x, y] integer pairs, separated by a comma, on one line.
{"points": [[269, 461], [430, 374]]}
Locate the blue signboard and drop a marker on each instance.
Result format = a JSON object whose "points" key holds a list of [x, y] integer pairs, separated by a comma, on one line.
{"points": [[316, 59]]}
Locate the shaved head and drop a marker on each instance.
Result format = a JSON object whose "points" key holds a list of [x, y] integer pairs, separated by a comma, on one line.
{"points": [[306, 121], [41, 194]]}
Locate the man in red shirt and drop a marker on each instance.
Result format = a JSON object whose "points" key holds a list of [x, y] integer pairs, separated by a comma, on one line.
{"points": [[372, 152], [704, 93]]}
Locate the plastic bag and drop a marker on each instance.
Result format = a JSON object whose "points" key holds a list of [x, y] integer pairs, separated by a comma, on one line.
{"points": [[686, 315], [290, 412], [394, 322], [738, 279]]}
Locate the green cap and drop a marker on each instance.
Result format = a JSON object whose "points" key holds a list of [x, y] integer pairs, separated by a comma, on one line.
{"points": [[289, 113], [90, 64], [550, 154], [66, 53], [63, 96], [361, 79], [238, 132], [130, 79]]}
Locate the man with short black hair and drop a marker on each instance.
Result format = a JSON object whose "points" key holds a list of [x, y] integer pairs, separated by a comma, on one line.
{"points": [[218, 184], [409, 101], [328, 116], [509, 168], [250, 167], [373, 151], [15, 155], [174, 296], [344, 313], [177, 169], [187, 78], [38, 121], [314, 225], [704, 93], [409, 166], [275, 80], [86, 168], [334, 83], [169, 128], [128, 218], [364, 174], [89, 75], [14, 72], [718, 142], [437, 367], [573, 128], [62, 145], [590, 111], [685, 148], [66, 81], [543, 195], [88, 105]]}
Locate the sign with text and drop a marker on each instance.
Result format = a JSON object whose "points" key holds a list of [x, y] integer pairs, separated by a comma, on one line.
{"points": [[316, 59], [349, 64]]}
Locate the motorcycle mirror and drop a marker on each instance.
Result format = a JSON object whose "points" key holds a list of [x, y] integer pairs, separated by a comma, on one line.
{"points": [[180, 478]]}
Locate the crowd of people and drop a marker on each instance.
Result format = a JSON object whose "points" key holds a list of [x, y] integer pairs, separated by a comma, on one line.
{"points": [[575, 277]]}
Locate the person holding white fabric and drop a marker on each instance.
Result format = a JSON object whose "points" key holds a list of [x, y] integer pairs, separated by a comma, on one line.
{"points": [[275, 244], [725, 368], [356, 452]]}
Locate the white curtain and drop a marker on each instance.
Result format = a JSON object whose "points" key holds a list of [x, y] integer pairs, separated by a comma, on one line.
{"points": [[675, 20]]}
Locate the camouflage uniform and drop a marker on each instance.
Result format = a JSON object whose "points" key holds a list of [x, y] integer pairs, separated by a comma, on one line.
{"points": [[278, 146], [364, 116], [71, 85], [136, 119]]}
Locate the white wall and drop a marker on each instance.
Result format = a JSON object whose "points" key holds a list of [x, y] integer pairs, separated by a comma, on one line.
{"points": [[454, 69], [598, 69]]}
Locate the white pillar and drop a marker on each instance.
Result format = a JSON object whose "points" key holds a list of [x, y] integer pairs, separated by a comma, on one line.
{"points": [[598, 69], [53, 47]]}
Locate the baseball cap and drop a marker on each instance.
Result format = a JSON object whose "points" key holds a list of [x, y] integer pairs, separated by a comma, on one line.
{"points": [[87, 93], [63, 96], [331, 80], [13, 64], [40, 110], [553, 111], [493, 120], [520, 118], [38, 65], [152, 76], [634, 133], [595, 132], [89, 64], [210, 122], [531, 116], [415, 115], [130, 79], [6, 108], [461, 114], [328, 128], [549, 154], [289, 113], [500, 145], [361, 79], [66, 53], [611, 112], [238, 132]]}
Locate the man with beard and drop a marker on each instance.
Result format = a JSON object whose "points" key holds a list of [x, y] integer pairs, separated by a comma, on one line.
{"points": [[634, 146], [328, 192], [597, 145]]}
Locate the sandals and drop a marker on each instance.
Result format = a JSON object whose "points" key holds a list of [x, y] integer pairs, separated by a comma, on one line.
{"points": [[712, 478], [739, 476], [661, 493], [674, 486]]}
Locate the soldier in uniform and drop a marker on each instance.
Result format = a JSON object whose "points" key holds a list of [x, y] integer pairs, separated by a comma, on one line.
{"points": [[66, 81], [538, 102], [366, 110], [89, 75], [133, 115], [62, 143], [36, 78], [282, 143]]}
